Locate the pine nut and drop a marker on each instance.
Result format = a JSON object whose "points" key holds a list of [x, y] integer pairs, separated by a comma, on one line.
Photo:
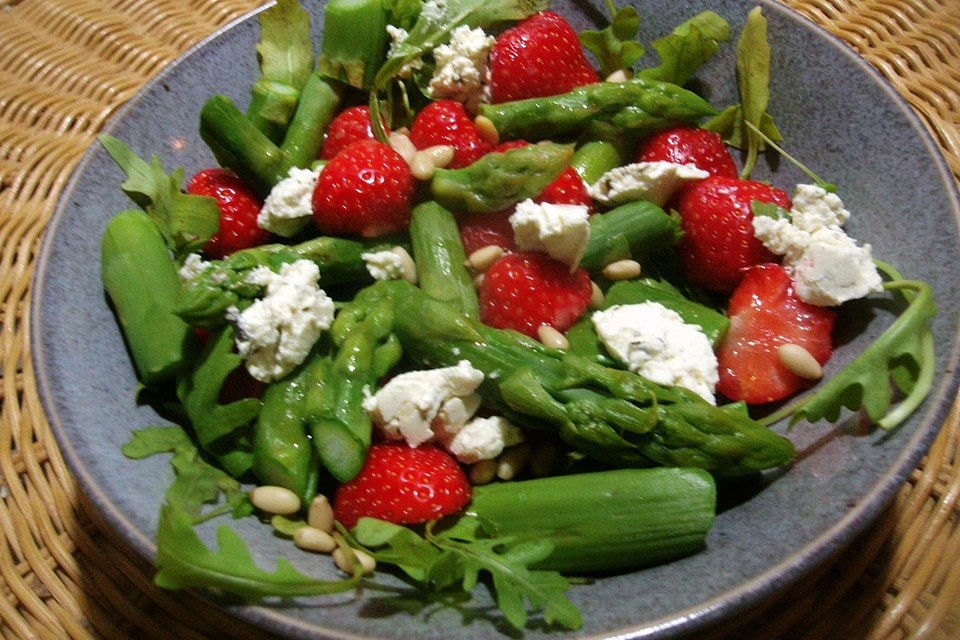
{"points": [[320, 514], [799, 361], [596, 296], [622, 270], [543, 459], [487, 130], [512, 461], [400, 143], [552, 338], [441, 154], [344, 557], [312, 539], [274, 499], [409, 266], [620, 75], [483, 471], [484, 257], [421, 166]]}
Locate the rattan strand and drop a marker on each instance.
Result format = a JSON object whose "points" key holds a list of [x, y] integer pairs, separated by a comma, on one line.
{"points": [[66, 67]]}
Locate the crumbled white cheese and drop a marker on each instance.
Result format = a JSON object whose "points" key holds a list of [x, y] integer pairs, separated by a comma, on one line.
{"points": [[656, 343], [397, 38], [193, 265], [277, 331], [289, 206], [409, 405], [461, 66], [653, 181], [384, 265], [482, 439], [559, 230], [827, 266]]}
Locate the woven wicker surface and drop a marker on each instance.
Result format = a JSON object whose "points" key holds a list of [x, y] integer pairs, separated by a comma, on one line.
{"points": [[65, 68]]}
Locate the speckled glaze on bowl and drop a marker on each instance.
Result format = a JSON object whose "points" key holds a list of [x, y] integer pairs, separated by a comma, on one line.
{"points": [[837, 115]]}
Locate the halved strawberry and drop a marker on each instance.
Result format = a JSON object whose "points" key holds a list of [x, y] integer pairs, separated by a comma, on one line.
{"points": [[447, 122], [349, 126], [479, 230], [239, 207], [540, 56], [688, 145], [523, 291], [717, 220], [765, 313], [366, 189], [403, 485]]}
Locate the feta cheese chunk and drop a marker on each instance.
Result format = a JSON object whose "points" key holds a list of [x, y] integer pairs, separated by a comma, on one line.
{"points": [[411, 404], [193, 265], [384, 265], [397, 38], [559, 230], [656, 343], [289, 206], [482, 439], [653, 181], [276, 332], [827, 265], [461, 65]]}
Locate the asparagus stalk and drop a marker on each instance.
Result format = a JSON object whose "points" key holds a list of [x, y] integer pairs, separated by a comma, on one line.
{"points": [[628, 231], [142, 283], [440, 258], [593, 159], [318, 104]]}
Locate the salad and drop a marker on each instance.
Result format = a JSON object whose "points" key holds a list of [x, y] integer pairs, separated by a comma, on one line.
{"points": [[468, 276]]}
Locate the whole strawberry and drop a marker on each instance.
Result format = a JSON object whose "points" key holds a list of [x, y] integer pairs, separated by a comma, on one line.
{"points": [[350, 125], [568, 188], [403, 485], [688, 145], [523, 291], [239, 207], [718, 242], [540, 56], [447, 122], [366, 189], [765, 313]]}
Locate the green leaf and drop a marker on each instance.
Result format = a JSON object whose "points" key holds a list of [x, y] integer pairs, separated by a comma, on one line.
{"points": [[185, 221], [614, 46], [184, 561], [285, 50], [439, 17], [690, 45], [904, 352]]}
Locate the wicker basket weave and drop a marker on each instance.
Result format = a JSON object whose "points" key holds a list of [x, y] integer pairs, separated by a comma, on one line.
{"points": [[65, 68]]}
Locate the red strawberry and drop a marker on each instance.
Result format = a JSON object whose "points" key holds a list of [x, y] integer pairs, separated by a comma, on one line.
{"points": [[524, 291], [365, 189], [239, 208], [689, 145], [540, 56], [403, 485], [447, 122], [350, 125], [717, 222], [482, 229], [568, 188], [765, 313]]}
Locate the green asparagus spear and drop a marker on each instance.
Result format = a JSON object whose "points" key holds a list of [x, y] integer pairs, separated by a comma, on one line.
{"points": [[605, 110], [498, 180], [440, 258], [628, 231], [593, 159], [142, 283], [318, 104], [616, 416]]}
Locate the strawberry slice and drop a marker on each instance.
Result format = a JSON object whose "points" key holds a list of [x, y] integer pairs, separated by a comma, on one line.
{"points": [[349, 126], [523, 291], [717, 220], [403, 485], [540, 56], [366, 189], [688, 145], [765, 313], [447, 122], [479, 230], [239, 207]]}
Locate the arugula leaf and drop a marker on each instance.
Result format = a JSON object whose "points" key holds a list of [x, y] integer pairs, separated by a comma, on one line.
{"points": [[285, 50], [614, 46], [903, 353], [439, 17], [753, 80], [690, 45], [460, 554], [185, 221]]}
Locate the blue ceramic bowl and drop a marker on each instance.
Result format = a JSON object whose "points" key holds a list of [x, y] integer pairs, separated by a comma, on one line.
{"points": [[838, 116]]}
